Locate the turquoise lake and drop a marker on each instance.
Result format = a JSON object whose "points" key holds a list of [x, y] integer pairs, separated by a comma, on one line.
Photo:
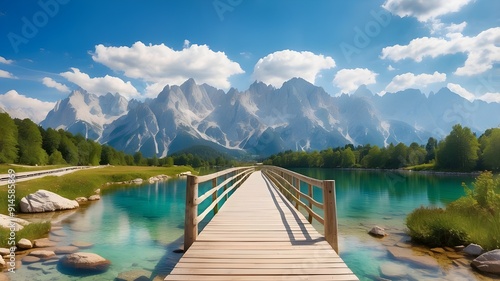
{"points": [[140, 227]]}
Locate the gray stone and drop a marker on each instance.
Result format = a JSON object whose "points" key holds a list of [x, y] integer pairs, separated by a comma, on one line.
{"points": [[137, 181], [65, 250], [30, 259], [488, 262], [42, 254], [24, 244], [134, 275], [82, 244], [377, 231], [81, 199], [85, 261], [98, 191], [45, 201], [473, 250], [43, 242], [94, 197]]}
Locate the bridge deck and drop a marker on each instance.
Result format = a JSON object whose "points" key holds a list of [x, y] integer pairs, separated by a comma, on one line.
{"points": [[258, 235]]}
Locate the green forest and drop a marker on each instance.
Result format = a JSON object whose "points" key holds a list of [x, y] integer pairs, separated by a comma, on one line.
{"points": [[460, 151], [24, 142]]}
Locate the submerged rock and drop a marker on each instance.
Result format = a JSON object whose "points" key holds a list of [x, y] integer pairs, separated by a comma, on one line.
{"points": [[134, 275], [85, 261], [43, 242], [45, 201], [393, 270], [82, 244], [408, 255], [488, 262]]}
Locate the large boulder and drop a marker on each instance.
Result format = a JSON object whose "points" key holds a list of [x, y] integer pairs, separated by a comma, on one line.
{"points": [[488, 262], [45, 201], [87, 262]]}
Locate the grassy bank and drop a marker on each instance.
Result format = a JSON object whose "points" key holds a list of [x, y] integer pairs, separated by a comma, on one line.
{"points": [[31, 231], [85, 182], [474, 218]]}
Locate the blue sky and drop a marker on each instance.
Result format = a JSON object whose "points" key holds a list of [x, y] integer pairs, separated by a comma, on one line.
{"points": [[49, 47]]}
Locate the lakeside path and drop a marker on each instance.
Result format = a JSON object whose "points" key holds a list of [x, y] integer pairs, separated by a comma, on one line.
{"points": [[26, 176]]}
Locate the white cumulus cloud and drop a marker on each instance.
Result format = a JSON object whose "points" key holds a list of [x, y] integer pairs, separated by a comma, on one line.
{"points": [[101, 85], [490, 97], [348, 80], [49, 82], [410, 80], [482, 51], [461, 91], [281, 66], [20, 106], [6, 74], [5, 61], [159, 63], [424, 10]]}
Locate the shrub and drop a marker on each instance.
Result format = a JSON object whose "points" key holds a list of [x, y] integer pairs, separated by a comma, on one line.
{"points": [[473, 218]]}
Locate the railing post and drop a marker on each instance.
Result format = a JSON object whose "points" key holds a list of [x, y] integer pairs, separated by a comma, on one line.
{"points": [[330, 214], [214, 196], [296, 183], [191, 212], [225, 186], [310, 193]]}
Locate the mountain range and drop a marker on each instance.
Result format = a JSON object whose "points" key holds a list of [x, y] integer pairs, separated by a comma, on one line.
{"points": [[264, 120]]}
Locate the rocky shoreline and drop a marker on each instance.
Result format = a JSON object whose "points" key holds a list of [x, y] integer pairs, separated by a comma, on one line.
{"points": [[44, 254], [465, 261]]}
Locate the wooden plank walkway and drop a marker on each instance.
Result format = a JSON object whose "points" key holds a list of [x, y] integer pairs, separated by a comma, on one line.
{"points": [[258, 235]]}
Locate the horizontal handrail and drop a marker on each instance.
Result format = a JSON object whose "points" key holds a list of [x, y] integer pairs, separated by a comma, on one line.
{"points": [[288, 183], [233, 176]]}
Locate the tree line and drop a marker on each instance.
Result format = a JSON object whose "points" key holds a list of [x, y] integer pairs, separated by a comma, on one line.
{"points": [[24, 142], [461, 150]]}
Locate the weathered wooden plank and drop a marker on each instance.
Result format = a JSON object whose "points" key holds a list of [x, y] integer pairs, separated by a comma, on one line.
{"points": [[262, 271], [344, 277]]}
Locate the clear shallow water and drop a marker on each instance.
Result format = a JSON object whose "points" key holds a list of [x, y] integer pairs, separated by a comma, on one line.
{"points": [[139, 227]]}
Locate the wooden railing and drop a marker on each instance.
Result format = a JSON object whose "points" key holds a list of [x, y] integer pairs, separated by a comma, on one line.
{"points": [[228, 180], [288, 183]]}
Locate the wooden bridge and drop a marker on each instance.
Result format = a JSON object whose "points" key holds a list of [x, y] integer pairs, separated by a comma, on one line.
{"points": [[259, 233]]}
